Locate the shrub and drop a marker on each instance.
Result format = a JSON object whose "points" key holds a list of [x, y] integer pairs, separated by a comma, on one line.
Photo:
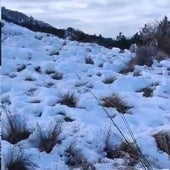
{"points": [[163, 141], [14, 128], [35, 101], [88, 60], [144, 55], [116, 102], [109, 80], [47, 140], [17, 160], [68, 99]]}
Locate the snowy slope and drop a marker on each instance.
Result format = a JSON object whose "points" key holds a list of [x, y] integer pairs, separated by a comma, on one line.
{"points": [[37, 69]]}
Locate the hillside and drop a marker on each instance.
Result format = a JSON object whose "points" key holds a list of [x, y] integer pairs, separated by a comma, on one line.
{"points": [[59, 94]]}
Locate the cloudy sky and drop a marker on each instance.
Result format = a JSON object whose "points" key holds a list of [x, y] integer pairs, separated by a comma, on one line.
{"points": [[106, 17]]}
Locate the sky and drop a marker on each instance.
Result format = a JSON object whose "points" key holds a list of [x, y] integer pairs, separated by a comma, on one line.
{"points": [[105, 17]]}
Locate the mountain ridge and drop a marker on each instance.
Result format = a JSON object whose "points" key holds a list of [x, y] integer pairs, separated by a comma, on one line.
{"points": [[70, 33]]}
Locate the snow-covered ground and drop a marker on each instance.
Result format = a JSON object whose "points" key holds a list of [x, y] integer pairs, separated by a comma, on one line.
{"points": [[38, 69]]}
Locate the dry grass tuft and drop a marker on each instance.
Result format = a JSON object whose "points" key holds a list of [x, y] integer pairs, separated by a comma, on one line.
{"points": [[18, 160], [116, 102], [147, 92], [68, 99], [14, 128], [46, 140], [163, 141]]}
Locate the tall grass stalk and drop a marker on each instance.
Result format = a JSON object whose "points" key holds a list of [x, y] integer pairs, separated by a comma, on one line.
{"points": [[144, 162]]}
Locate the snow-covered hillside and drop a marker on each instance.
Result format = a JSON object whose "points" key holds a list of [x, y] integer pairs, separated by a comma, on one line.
{"points": [[40, 70]]}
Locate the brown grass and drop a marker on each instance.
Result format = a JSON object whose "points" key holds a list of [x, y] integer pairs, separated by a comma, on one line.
{"points": [[14, 128], [68, 99], [116, 102], [163, 141]]}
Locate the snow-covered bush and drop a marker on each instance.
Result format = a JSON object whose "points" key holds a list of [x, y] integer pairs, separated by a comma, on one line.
{"points": [[89, 60]]}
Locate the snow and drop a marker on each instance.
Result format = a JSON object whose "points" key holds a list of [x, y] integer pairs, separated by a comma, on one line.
{"points": [[35, 94]]}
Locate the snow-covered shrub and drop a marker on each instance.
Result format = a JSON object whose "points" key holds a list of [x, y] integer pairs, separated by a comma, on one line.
{"points": [[54, 74], [14, 128], [129, 67], [57, 75], [68, 99], [75, 159], [89, 60], [145, 55], [15, 159], [54, 53], [29, 78], [21, 67], [147, 91], [49, 71], [109, 80], [38, 69], [46, 140], [116, 102]]}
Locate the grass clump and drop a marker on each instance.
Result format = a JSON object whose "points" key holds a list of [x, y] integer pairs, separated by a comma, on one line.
{"points": [[48, 139], [17, 160], [75, 159], [163, 141], [124, 150], [116, 102], [14, 128], [68, 99]]}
